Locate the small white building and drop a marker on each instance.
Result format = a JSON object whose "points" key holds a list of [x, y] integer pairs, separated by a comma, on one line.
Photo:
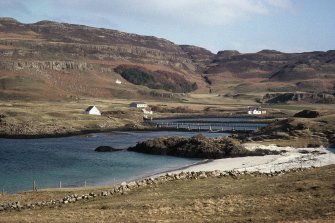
{"points": [[92, 110], [256, 111], [138, 105], [118, 81], [148, 112]]}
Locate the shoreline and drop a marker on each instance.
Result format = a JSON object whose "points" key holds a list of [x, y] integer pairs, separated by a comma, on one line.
{"points": [[141, 127], [82, 133], [291, 159], [294, 158], [110, 184]]}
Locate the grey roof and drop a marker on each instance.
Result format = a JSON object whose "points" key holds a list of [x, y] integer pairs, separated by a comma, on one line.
{"points": [[89, 108]]}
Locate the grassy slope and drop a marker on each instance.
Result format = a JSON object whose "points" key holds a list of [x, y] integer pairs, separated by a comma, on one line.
{"points": [[308, 195]]}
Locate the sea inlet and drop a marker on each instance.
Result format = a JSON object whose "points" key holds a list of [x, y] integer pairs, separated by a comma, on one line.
{"points": [[73, 161]]}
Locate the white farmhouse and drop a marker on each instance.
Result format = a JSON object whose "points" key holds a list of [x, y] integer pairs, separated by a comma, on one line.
{"points": [[92, 110], [138, 105], [256, 111], [148, 112], [118, 81]]}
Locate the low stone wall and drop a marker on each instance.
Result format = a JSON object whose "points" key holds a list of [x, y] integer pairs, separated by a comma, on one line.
{"points": [[124, 188]]}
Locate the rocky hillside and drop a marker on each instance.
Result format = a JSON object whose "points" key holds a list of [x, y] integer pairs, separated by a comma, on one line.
{"points": [[50, 60], [275, 71], [76, 60]]}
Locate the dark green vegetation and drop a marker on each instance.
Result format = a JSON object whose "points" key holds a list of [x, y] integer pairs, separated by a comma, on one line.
{"points": [[197, 147], [307, 196], [157, 80]]}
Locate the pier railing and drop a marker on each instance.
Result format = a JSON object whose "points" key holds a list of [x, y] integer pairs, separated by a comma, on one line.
{"points": [[209, 126]]}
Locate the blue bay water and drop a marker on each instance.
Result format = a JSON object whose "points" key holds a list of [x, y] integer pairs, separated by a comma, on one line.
{"points": [[73, 160]]}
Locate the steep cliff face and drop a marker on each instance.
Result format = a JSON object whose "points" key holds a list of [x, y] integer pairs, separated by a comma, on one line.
{"points": [[51, 40], [44, 65]]}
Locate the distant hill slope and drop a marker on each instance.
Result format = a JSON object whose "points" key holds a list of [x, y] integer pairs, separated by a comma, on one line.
{"points": [[50, 60], [62, 60], [311, 71]]}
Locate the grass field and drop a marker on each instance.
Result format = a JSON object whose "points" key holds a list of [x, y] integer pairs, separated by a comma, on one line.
{"points": [[40, 118], [307, 196], [52, 118]]}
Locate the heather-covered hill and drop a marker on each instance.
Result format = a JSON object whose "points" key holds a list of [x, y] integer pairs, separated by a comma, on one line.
{"points": [[270, 70], [75, 60], [50, 60]]}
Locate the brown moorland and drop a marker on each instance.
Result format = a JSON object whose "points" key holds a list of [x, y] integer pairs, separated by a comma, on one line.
{"points": [[50, 60], [307, 196]]}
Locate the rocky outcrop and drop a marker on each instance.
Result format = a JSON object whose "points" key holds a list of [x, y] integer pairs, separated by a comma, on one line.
{"points": [[300, 132], [77, 41], [195, 147], [307, 114], [225, 55], [106, 149], [277, 98], [44, 65], [200, 56]]}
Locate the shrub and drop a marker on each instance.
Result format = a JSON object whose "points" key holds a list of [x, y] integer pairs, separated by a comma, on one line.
{"points": [[157, 80]]}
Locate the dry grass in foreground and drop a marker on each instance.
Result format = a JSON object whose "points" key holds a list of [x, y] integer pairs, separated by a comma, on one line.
{"points": [[307, 196]]}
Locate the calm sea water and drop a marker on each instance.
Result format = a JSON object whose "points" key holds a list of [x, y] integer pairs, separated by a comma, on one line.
{"points": [[73, 161]]}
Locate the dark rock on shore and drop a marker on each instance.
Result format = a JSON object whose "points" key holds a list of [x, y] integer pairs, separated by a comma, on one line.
{"points": [[307, 114], [331, 140], [195, 147], [106, 149]]}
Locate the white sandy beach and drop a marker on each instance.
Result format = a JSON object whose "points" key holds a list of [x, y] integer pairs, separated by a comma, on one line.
{"points": [[289, 160]]}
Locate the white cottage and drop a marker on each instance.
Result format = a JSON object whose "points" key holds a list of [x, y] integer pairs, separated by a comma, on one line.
{"points": [[148, 112], [92, 110], [256, 111], [138, 105], [118, 81]]}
